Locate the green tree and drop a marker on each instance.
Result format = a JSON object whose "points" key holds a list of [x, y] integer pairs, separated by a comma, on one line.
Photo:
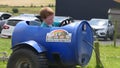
{"points": [[15, 10]]}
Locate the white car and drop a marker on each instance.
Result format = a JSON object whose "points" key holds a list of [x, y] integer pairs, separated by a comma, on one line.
{"points": [[103, 28], [5, 15], [10, 24]]}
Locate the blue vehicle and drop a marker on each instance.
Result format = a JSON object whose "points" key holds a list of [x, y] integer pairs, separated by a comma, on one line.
{"points": [[56, 47]]}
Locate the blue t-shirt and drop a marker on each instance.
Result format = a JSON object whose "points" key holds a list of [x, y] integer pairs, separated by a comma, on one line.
{"points": [[55, 24]]}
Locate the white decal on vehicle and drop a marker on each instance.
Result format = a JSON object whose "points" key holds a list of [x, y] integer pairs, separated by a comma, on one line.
{"points": [[59, 35]]}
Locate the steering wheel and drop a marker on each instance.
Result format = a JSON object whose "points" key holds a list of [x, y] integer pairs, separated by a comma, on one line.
{"points": [[66, 22]]}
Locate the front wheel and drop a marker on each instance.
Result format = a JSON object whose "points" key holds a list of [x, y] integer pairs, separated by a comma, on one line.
{"points": [[112, 36], [105, 38], [26, 58]]}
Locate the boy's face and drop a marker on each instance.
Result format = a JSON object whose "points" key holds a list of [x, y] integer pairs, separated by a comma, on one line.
{"points": [[49, 19]]}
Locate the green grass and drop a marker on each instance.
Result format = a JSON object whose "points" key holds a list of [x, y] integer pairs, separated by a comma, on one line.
{"points": [[5, 45], [110, 56]]}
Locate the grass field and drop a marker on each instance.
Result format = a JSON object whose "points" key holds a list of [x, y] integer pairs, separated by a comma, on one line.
{"points": [[25, 6], [5, 45], [34, 10], [110, 56], [26, 2]]}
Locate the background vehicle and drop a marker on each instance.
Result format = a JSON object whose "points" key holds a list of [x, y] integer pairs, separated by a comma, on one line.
{"points": [[56, 18], [10, 24], [55, 47], [5, 15], [103, 28], [31, 15], [2, 22]]}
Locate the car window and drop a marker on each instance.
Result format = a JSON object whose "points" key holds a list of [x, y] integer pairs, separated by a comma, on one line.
{"points": [[98, 22], [13, 22], [37, 20], [93, 22], [5, 16], [35, 23], [102, 23]]}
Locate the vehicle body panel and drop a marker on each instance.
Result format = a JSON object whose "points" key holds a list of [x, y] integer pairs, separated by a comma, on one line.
{"points": [[73, 47], [33, 44]]}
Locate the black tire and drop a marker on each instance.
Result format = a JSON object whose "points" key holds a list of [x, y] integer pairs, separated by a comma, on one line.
{"points": [[105, 38], [112, 37], [26, 58], [62, 66]]}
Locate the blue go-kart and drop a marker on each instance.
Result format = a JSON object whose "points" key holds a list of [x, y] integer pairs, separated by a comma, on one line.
{"points": [[56, 47]]}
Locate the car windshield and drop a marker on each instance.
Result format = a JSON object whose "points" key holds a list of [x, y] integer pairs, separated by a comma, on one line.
{"points": [[13, 22], [98, 22]]}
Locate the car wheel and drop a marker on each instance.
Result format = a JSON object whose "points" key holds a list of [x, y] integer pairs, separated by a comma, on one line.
{"points": [[105, 38], [26, 58], [112, 37]]}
